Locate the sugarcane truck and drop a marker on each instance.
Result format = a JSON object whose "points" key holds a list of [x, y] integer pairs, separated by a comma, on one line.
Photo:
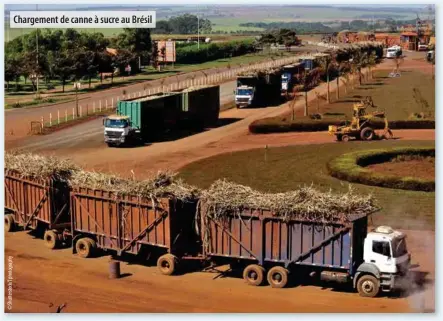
{"points": [[146, 118], [288, 75], [269, 248], [257, 90]]}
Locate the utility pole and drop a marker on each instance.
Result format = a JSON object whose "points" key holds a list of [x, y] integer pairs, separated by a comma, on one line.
{"points": [[198, 32], [36, 39]]}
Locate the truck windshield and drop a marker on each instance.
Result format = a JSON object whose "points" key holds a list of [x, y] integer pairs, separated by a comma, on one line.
{"points": [[399, 247], [116, 123], [244, 92]]}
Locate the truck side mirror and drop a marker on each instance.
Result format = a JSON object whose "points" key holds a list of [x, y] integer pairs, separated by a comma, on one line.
{"points": [[103, 121]]}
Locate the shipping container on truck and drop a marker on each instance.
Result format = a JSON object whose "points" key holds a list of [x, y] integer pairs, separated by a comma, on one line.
{"points": [[269, 248], [128, 224], [200, 106], [258, 89], [148, 118], [143, 119], [37, 204]]}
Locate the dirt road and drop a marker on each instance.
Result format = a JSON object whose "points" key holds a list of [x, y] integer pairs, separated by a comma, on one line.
{"points": [[45, 279]]}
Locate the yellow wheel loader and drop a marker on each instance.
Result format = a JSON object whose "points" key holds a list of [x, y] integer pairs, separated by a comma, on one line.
{"points": [[360, 126]]}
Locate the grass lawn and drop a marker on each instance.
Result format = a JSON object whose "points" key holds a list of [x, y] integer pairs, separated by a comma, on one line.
{"points": [[413, 92], [286, 168]]}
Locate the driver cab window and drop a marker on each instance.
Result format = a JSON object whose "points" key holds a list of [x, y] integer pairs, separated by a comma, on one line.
{"points": [[381, 248]]}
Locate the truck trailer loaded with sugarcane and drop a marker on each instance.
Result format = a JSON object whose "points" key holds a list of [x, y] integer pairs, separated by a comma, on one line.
{"points": [[258, 88], [260, 234]]}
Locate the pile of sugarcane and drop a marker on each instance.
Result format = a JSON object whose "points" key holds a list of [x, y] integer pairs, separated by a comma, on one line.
{"points": [[225, 198], [259, 72], [39, 167], [161, 184]]}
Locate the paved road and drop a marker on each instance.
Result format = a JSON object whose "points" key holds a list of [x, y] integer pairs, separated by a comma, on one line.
{"points": [[92, 131]]}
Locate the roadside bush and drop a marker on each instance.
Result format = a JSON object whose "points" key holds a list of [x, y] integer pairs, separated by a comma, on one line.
{"points": [[351, 167], [280, 125], [207, 52]]}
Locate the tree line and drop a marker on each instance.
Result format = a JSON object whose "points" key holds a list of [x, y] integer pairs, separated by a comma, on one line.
{"points": [[186, 24], [72, 55]]}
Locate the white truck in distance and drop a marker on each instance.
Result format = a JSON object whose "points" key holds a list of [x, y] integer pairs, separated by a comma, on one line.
{"points": [[394, 51]]}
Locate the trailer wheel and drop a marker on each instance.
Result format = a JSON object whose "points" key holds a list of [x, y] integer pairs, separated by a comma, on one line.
{"points": [[167, 264], [51, 239], [92, 242], [9, 223], [84, 247], [278, 277], [368, 286], [254, 274], [367, 133]]}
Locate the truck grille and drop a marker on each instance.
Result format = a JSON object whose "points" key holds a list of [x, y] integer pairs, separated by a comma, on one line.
{"points": [[113, 134], [242, 100]]}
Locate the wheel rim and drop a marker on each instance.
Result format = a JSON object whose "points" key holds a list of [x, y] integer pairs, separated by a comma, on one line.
{"points": [[82, 248], [165, 265], [49, 238], [252, 275], [367, 287], [277, 278]]}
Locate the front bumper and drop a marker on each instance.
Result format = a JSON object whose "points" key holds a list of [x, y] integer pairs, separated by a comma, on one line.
{"points": [[115, 140]]}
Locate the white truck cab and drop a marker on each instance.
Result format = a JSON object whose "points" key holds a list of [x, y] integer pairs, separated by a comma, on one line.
{"points": [[244, 95], [393, 52], [386, 260], [117, 130]]}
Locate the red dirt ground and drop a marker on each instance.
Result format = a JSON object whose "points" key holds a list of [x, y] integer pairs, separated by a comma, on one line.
{"points": [[45, 279], [412, 168]]}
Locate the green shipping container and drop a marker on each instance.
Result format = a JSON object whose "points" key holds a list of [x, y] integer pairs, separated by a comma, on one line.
{"points": [[201, 105], [153, 114]]}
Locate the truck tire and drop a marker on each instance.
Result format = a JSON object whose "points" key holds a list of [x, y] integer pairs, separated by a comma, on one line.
{"points": [[51, 239], [167, 264], [368, 286], [278, 277], [110, 145], [254, 274], [9, 223], [93, 243], [84, 247], [345, 138], [367, 133]]}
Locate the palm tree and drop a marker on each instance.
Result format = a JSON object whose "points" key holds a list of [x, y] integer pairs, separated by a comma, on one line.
{"points": [[359, 61], [326, 63]]}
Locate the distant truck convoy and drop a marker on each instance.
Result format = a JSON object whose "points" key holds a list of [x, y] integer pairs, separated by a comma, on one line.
{"points": [[259, 89], [147, 118]]}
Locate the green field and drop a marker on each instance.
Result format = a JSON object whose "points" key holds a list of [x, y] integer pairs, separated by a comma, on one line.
{"points": [[286, 168], [395, 96]]}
